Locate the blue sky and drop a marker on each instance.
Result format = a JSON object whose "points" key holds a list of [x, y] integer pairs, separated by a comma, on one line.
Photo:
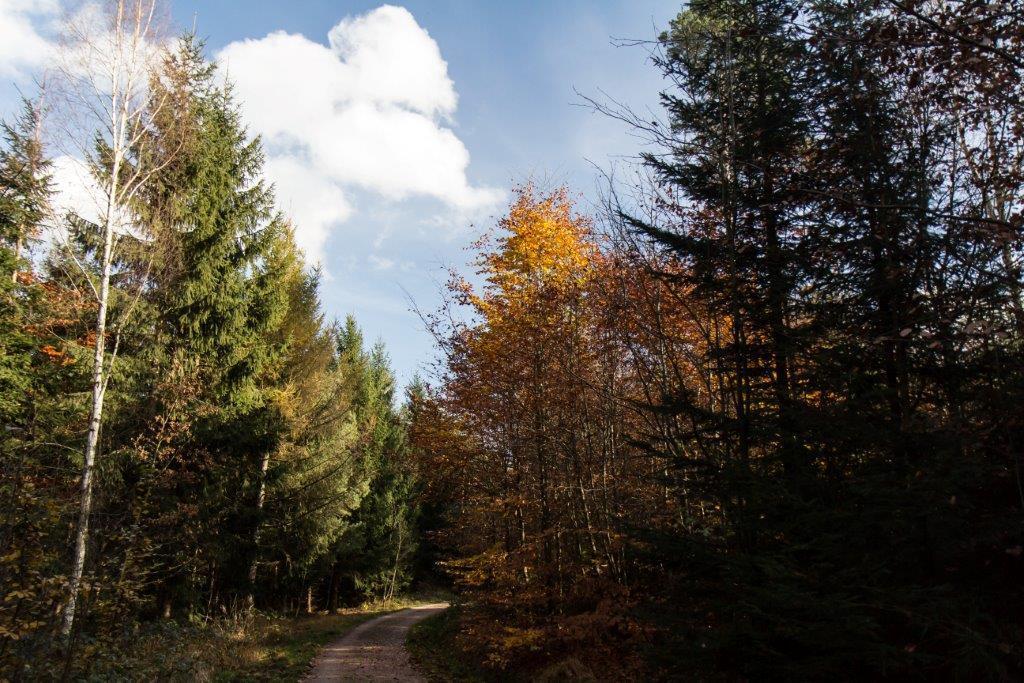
{"points": [[498, 87]]}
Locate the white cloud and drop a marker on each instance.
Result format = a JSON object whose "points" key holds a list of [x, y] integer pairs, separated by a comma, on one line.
{"points": [[22, 47], [312, 201], [74, 39], [369, 111], [381, 262], [75, 189], [391, 60]]}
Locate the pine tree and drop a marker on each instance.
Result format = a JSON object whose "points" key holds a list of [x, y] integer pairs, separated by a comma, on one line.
{"points": [[220, 298], [25, 189], [738, 127], [387, 515]]}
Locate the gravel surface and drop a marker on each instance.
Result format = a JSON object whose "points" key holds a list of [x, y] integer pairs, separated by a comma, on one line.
{"points": [[373, 651]]}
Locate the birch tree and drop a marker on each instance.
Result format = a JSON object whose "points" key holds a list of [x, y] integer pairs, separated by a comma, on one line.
{"points": [[106, 61]]}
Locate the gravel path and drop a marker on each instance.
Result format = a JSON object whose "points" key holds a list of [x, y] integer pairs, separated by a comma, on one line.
{"points": [[373, 651]]}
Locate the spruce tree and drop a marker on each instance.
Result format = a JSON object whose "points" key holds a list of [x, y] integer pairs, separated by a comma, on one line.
{"points": [[814, 191], [737, 129], [25, 190], [34, 369], [387, 515], [220, 298]]}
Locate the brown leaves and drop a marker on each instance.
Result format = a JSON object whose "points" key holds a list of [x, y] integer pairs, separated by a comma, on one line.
{"points": [[528, 438], [56, 356]]}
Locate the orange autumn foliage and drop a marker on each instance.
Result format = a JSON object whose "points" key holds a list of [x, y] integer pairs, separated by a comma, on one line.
{"points": [[531, 437], [56, 356]]}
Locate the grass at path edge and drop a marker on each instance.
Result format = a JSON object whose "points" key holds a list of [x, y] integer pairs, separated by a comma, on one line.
{"points": [[435, 653], [255, 647]]}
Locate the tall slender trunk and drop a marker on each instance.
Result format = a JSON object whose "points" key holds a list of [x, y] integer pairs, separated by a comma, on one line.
{"points": [[333, 588], [95, 413], [261, 495], [121, 119], [1012, 273], [394, 571]]}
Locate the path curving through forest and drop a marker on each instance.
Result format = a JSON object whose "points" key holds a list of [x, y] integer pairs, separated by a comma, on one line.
{"points": [[373, 651]]}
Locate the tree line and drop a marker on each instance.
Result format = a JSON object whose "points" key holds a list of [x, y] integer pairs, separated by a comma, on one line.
{"points": [[186, 435], [759, 417]]}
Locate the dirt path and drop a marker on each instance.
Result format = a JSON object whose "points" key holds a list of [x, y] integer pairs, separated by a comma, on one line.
{"points": [[373, 651]]}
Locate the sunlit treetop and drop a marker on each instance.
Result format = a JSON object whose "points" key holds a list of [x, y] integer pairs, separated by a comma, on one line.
{"points": [[542, 247]]}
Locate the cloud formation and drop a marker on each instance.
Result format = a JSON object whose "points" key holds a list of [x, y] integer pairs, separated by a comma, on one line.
{"points": [[371, 110], [76, 190], [22, 48]]}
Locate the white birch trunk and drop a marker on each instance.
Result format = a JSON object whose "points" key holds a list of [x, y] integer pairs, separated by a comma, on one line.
{"points": [[99, 374], [119, 53]]}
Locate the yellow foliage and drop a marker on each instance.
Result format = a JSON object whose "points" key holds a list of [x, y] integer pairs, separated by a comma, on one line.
{"points": [[544, 247]]}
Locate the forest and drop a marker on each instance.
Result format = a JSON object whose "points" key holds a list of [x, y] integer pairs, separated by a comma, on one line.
{"points": [[754, 415]]}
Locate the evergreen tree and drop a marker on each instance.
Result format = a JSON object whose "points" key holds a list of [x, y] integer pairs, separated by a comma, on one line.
{"points": [[221, 295], [35, 365], [371, 558], [387, 516], [318, 475], [817, 201], [25, 189], [738, 126]]}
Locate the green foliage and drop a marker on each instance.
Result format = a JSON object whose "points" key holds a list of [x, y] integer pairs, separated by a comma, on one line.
{"points": [[375, 555], [25, 189], [37, 368], [242, 431]]}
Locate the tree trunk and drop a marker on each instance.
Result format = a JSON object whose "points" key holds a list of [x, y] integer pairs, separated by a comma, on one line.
{"points": [[17, 258], [96, 411], [332, 591], [261, 495], [394, 572]]}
